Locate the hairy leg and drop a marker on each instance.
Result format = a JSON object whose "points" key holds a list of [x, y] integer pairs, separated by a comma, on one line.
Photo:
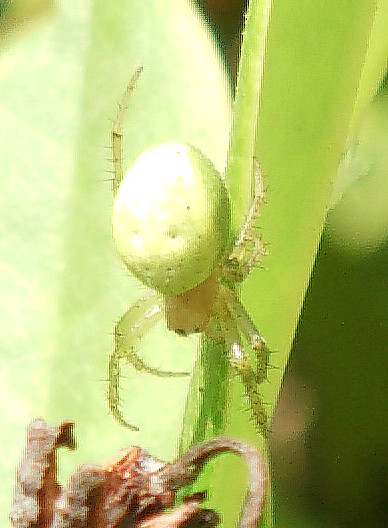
{"points": [[248, 248], [117, 132], [241, 364], [135, 323], [249, 332]]}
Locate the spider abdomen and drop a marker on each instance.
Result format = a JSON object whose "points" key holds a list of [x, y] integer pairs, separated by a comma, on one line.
{"points": [[171, 218]]}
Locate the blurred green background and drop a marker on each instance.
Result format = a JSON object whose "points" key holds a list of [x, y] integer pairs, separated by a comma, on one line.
{"points": [[330, 461]]}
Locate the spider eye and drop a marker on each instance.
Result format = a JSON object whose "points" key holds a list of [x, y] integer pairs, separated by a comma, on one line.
{"points": [[171, 218]]}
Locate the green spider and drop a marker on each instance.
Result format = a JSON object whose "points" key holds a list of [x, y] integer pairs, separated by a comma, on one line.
{"points": [[171, 225]]}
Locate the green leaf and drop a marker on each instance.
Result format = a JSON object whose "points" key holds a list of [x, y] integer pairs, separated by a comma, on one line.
{"points": [[316, 55]]}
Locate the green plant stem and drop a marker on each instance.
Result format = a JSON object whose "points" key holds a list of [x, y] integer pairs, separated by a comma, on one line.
{"points": [[238, 174]]}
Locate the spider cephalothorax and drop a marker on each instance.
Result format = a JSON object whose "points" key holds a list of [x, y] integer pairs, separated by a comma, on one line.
{"points": [[171, 224]]}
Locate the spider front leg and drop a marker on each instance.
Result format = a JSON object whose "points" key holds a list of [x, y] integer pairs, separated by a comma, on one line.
{"points": [[237, 325], [238, 358], [250, 333], [136, 322]]}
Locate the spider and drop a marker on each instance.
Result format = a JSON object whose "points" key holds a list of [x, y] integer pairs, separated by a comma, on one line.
{"points": [[171, 225]]}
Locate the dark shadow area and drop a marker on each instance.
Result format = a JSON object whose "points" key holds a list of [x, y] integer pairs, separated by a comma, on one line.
{"points": [[335, 464]]}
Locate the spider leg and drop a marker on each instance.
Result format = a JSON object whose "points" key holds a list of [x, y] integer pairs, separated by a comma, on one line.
{"points": [[248, 248], [250, 333], [240, 362], [117, 132], [135, 323]]}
